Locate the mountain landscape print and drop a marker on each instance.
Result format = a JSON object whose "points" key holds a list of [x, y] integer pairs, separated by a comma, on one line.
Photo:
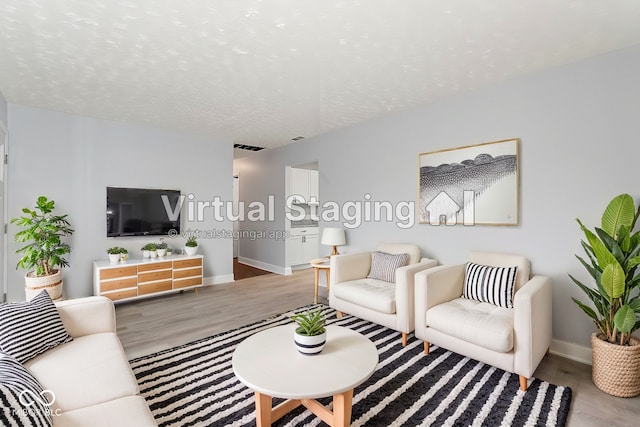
{"points": [[472, 185]]}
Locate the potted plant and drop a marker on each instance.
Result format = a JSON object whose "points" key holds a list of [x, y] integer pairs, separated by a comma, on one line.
{"points": [[613, 256], [191, 247], [149, 250], [114, 254], [161, 248], [124, 254], [43, 255], [310, 335]]}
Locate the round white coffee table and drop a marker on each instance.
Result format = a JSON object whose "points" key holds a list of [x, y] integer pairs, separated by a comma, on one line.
{"points": [[269, 363]]}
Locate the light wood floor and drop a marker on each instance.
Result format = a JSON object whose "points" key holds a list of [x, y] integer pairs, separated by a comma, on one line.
{"points": [[155, 324]]}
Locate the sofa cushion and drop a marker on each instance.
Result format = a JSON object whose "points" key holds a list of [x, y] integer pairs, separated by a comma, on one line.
{"points": [[28, 329], [480, 323], [89, 370], [384, 265], [131, 411], [374, 294], [494, 285], [22, 399]]}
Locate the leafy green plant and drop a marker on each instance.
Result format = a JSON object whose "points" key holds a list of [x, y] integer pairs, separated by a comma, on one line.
{"points": [[161, 245], [124, 251], [613, 254], [115, 250], [310, 323], [149, 247], [191, 242], [43, 232]]}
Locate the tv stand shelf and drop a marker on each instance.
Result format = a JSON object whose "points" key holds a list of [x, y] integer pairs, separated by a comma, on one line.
{"points": [[136, 278]]}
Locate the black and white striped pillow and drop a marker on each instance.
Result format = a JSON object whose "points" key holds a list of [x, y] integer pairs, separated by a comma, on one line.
{"points": [[28, 329], [22, 400], [494, 285], [384, 265]]}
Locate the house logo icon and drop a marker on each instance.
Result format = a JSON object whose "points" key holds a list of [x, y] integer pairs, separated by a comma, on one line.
{"points": [[443, 208]]}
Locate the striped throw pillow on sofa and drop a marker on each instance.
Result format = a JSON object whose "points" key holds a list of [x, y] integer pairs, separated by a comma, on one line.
{"points": [[494, 285], [28, 329], [23, 402]]}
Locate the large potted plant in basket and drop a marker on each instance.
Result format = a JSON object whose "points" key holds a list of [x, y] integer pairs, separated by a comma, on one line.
{"points": [[613, 257], [43, 254]]}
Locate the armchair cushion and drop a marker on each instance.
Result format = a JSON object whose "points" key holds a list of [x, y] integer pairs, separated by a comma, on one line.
{"points": [[480, 323], [494, 285], [377, 295], [384, 265]]}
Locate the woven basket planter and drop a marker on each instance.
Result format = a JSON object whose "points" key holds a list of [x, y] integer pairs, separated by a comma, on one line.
{"points": [[35, 285], [616, 368]]}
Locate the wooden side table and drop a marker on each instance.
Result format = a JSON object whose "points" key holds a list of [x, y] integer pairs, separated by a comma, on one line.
{"points": [[317, 266]]}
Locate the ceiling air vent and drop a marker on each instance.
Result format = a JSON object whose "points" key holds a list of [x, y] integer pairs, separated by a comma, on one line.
{"points": [[247, 147]]}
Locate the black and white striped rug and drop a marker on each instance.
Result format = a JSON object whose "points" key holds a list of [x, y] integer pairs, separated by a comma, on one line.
{"points": [[194, 385]]}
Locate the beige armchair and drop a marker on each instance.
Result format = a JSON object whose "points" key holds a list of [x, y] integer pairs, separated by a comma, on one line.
{"points": [[513, 339], [383, 302]]}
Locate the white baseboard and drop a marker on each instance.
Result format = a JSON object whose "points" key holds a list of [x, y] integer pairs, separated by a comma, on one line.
{"points": [[216, 280], [571, 351], [285, 271]]}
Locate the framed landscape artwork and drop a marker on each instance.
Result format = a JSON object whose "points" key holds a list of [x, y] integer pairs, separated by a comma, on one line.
{"points": [[471, 185]]}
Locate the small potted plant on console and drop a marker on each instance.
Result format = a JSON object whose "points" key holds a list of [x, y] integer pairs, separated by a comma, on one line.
{"points": [[311, 335], [191, 247], [161, 248], [114, 254], [149, 250]]}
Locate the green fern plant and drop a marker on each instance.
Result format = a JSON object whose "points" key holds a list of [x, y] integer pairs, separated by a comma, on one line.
{"points": [[310, 323]]}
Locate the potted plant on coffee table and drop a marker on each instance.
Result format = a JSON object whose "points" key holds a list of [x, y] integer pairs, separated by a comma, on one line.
{"points": [[613, 256], [43, 254], [310, 335]]}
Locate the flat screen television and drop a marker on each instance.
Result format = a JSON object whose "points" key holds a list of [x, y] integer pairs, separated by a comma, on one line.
{"points": [[142, 212]]}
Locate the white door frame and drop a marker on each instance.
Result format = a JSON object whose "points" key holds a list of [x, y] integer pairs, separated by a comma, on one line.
{"points": [[4, 278]]}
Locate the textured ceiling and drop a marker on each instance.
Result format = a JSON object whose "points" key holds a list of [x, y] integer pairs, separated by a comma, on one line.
{"points": [[264, 72]]}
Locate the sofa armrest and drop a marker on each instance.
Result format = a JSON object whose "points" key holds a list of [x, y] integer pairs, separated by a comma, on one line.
{"points": [[86, 316], [439, 284], [349, 267], [405, 305], [532, 323]]}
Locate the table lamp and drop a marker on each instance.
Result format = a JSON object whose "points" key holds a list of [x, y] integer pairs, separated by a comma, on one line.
{"points": [[333, 237]]}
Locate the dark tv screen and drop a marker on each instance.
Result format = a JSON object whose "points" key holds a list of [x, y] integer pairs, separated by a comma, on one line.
{"points": [[142, 212]]}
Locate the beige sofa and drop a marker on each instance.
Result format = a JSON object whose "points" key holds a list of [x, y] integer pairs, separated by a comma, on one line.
{"points": [[90, 376], [385, 303]]}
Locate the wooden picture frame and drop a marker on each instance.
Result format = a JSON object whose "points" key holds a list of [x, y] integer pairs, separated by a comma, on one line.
{"points": [[470, 185]]}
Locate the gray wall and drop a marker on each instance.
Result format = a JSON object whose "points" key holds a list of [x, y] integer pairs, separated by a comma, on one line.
{"points": [[72, 159], [578, 125]]}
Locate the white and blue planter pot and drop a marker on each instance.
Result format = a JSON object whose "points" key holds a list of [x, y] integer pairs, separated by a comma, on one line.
{"points": [[310, 345]]}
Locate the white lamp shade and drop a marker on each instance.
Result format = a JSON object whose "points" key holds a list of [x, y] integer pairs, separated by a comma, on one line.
{"points": [[333, 236]]}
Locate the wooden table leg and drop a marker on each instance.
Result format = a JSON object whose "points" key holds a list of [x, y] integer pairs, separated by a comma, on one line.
{"points": [[326, 270], [342, 409], [317, 272], [263, 410]]}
